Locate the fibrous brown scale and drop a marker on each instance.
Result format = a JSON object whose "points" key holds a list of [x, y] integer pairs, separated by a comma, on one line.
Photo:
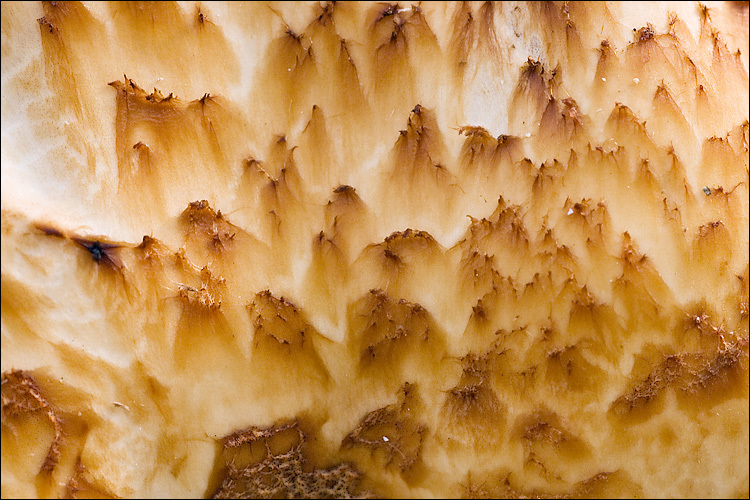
{"points": [[535, 214], [530, 98], [281, 331], [563, 123], [394, 432], [688, 373], [472, 410], [21, 395], [392, 331]]}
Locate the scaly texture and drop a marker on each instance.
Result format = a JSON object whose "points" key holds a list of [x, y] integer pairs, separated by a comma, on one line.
{"points": [[371, 249]]}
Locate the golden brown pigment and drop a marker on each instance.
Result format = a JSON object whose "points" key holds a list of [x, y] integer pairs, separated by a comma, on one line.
{"points": [[346, 249]]}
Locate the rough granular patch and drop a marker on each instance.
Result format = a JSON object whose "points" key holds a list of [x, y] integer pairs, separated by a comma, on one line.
{"points": [[284, 474], [21, 395]]}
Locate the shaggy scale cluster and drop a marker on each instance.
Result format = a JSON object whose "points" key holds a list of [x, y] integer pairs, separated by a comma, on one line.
{"points": [[370, 249]]}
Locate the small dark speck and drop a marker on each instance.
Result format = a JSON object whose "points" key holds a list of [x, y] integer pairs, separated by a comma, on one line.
{"points": [[96, 251], [707, 190]]}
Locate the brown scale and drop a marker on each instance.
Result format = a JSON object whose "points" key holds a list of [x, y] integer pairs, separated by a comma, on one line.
{"points": [[631, 134], [710, 254], [155, 30], [486, 163], [26, 410], [742, 300], [500, 485], [546, 439], [676, 187], [326, 278], [158, 265], [721, 164], [472, 414], [348, 221], [288, 72], [337, 89], [562, 128], [318, 162], [159, 139], [560, 37], [497, 309], [504, 229], [415, 176], [385, 324], [717, 376], [392, 339], [201, 219], [402, 263], [270, 313], [462, 37], [600, 330], [569, 375], [275, 462], [668, 121], [642, 299], [477, 276], [275, 199], [538, 290], [394, 434], [548, 179], [22, 395], [478, 149], [207, 297], [530, 97], [284, 338], [420, 145], [204, 333], [608, 70], [700, 379], [589, 220], [389, 41], [464, 32]]}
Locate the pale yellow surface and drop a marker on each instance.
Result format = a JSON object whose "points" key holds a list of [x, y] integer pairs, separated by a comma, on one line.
{"points": [[448, 249]]}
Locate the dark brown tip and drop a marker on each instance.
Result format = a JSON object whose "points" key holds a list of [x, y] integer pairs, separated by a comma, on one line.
{"points": [[45, 24], [49, 230], [646, 33], [344, 189]]}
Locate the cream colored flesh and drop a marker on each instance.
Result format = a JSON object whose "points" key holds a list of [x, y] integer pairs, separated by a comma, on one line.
{"points": [[429, 250]]}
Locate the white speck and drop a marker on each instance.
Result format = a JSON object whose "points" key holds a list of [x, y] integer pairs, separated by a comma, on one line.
{"points": [[528, 134], [598, 110], [385, 438], [570, 211], [502, 82], [79, 413], [604, 79], [636, 80]]}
